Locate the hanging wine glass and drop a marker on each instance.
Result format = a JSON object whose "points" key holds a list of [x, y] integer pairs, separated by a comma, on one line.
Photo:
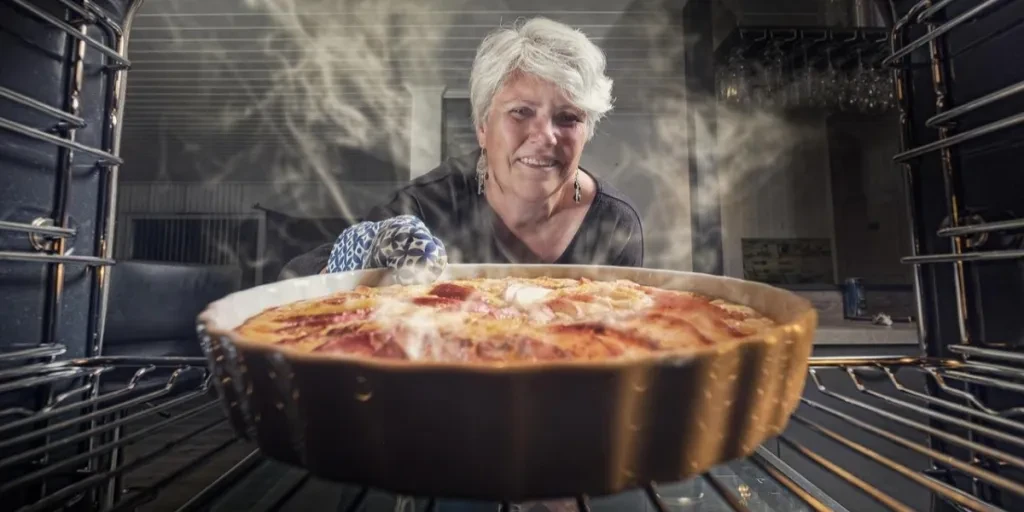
{"points": [[774, 81], [829, 82], [734, 84], [862, 96], [886, 89]]}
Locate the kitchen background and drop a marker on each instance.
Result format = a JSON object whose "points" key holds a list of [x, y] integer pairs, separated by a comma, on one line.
{"points": [[257, 129]]}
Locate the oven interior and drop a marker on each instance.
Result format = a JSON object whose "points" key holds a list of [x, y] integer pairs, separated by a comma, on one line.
{"points": [[100, 412]]}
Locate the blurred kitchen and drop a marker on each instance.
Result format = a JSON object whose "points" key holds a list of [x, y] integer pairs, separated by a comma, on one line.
{"points": [[258, 129]]}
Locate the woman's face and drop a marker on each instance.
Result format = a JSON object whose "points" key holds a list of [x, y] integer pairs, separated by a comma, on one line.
{"points": [[533, 137]]}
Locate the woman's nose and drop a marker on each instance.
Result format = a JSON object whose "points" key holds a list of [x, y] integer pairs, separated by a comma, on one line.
{"points": [[542, 130]]}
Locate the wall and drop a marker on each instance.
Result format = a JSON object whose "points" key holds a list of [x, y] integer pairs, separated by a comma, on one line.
{"points": [[872, 232], [782, 193]]}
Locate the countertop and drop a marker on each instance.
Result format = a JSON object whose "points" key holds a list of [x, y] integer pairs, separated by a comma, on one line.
{"points": [[855, 332]]}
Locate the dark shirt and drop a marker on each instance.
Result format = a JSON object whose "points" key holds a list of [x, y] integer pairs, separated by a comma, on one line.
{"points": [[446, 200]]}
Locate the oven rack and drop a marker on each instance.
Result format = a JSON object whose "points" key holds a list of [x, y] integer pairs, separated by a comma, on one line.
{"points": [[944, 120], [972, 409], [173, 390], [52, 237], [138, 401], [881, 397], [962, 381]]}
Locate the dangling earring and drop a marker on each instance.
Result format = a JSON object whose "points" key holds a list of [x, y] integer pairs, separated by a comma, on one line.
{"points": [[577, 190], [481, 172]]}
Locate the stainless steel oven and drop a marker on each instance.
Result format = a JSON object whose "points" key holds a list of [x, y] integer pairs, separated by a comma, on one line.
{"points": [[938, 428]]}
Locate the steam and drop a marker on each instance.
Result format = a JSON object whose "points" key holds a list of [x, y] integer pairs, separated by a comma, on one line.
{"points": [[290, 86], [752, 146], [334, 76]]}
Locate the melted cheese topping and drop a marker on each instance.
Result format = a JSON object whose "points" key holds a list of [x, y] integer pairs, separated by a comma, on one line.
{"points": [[510, 319]]}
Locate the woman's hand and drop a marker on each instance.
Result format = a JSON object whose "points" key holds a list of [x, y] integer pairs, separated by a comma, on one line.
{"points": [[401, 243]]}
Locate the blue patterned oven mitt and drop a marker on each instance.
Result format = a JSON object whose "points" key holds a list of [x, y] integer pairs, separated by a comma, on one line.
{"points": [[402, 243]]}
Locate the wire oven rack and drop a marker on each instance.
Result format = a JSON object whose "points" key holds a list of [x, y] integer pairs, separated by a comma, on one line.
{"points": [[69, 449], [139, 398], [67, 422]]}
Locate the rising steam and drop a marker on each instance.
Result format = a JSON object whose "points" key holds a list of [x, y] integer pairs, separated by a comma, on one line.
{"points": [[753, 146], [337, 77]]}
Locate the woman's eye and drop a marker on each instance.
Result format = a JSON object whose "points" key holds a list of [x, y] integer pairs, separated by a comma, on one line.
{"points": [[520, 112], [567, 119]]}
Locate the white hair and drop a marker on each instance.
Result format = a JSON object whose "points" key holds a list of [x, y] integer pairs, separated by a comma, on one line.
{"points": [[549, 50]]}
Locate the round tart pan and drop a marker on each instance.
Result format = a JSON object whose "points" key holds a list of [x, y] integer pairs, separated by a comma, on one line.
{"points": [[518, 431]]}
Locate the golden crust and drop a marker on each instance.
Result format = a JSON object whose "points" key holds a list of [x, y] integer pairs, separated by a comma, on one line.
{"points": [[506, 319]]}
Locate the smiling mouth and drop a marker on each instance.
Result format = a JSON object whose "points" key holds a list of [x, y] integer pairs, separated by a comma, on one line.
{"points": [[540, 163]]}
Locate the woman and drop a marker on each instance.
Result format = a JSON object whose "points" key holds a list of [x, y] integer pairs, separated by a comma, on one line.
{"points": [[537, 91]]}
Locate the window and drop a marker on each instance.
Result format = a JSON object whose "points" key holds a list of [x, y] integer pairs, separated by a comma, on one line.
{"points": [[458, 136]]}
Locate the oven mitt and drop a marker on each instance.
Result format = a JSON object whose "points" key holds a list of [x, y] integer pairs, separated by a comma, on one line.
{"points": [[402, 243]]}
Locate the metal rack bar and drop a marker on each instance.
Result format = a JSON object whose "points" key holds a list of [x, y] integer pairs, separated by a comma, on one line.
{"points": [[789, 484], [224, 481], [992, 127], [1003, 355], [67, 492], [904, 92], [107, 361], [723, 491], [933, 10], [48, 411], [655, 498], [71, 119], [34, 369], [879, 361], [94, 13], [982, 367], [163, 361], [48, 350], [80, 10], [73, 32], [105, 157], [51, 469], [966, 443], [989, 432], [949, 492], [986, 459], [53, 258], [969, 256], [28, 454], [47, 379], [52, 231], [987, 227], [981, 411], [975, 104], [988, 381], [909, 16], [940, 30], [166, 390], [150, 493], [837, 470], [113, 125]]}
